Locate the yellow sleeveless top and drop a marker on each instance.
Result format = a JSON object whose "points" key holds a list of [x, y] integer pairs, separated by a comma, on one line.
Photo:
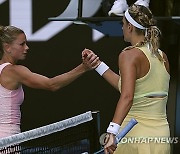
{"points": [[155, 82], [149, 112]]}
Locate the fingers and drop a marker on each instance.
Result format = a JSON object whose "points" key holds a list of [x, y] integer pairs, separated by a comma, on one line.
{"points": [[86, 52], [95, 63], [91, 60], [109, 150], [110, 141], [110, 146], [106, 139], [113, 147], [91, 57], [106, 151]]}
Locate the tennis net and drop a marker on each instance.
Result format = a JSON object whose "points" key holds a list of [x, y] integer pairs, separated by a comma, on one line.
{"points": [[75, 135]]}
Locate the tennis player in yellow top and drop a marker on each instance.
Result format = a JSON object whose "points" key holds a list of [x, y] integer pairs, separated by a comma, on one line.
{"points": [[143, 81]]}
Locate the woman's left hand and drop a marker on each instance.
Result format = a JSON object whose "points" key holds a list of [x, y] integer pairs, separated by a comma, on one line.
{"points": [[110, 145]]}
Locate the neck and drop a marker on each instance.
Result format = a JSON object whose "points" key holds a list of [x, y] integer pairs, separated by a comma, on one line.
{"points": [[6, 59], [136, 39]]}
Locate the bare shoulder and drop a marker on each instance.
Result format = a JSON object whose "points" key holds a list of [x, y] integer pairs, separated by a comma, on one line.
{"points": [[130, 54], [11, 76], [15, 69]]}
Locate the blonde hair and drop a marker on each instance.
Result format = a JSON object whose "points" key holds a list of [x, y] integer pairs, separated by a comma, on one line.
{"points": [[144, 17], [7, 35]]}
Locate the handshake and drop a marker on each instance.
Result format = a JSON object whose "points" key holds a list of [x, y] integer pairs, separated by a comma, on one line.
{"points": [[92, 61]]}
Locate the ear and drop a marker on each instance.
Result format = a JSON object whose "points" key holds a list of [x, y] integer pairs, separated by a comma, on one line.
{"points": [[6, 47], [130, 27]]}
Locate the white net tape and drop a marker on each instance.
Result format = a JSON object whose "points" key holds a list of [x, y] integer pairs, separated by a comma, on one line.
{"points": [[46, 130]]}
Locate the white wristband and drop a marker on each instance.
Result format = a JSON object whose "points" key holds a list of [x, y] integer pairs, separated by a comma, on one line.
{"points": [[113, 128], [102, 68]]}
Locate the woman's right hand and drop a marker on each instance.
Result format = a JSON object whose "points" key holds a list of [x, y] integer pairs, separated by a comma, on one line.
{"points": [[90, 59]]}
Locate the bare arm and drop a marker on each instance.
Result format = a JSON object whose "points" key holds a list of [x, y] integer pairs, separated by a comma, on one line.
{"points": [[127, 65], [14, 75], [111, 77], [24, 76]]}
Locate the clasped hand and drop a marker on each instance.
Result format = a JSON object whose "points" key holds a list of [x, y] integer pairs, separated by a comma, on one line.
{"points": [[90, 59]]}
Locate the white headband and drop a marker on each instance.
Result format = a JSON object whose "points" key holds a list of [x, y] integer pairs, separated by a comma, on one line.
{"points": [[132, 21]]}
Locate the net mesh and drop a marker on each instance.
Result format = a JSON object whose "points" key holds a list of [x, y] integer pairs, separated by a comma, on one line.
{"points": [[77, 134]]}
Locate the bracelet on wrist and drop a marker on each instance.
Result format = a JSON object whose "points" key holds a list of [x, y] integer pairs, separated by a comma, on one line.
{"points": [[113, 128], [102, 68]]}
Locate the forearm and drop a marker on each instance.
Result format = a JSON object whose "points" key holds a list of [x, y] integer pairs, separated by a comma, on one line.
{"points": [[63, 80], [122, 109], [112, 78]]}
